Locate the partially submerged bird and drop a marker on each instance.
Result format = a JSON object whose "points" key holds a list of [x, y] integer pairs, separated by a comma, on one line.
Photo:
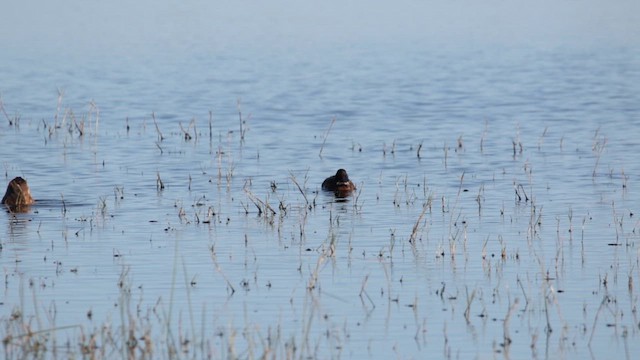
{"points": [[18, 194], [339, 183]]}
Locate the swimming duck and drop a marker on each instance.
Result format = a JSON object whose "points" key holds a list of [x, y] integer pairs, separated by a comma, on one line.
{"points": [[338, 183], [18, 194]]}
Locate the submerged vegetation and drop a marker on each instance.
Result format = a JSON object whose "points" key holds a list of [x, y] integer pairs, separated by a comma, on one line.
{"points": [[201, 242]]}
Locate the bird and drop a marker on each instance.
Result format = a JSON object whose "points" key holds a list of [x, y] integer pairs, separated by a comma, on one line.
{"points": [[339, 183], [18, 194]]}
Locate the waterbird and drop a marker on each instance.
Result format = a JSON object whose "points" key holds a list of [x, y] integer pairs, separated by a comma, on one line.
{"points": [[339, 183], [18, 194]]}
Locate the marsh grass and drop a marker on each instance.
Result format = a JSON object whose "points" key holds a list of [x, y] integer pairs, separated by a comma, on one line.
{"points": [[12, 120], [504, 283], [326, 135], [160, 136], [417, 226], [150, 334]]}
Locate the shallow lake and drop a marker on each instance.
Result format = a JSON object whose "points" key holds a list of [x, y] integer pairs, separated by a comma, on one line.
{"points": [[179, 210]]}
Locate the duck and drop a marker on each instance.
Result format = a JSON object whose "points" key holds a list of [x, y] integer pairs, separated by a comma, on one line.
{"points": [[338, 183], [18, 194]]}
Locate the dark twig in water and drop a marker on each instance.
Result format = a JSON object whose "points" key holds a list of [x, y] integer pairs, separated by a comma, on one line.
{"points": [[210, 126], [160, 137], [519, 188], [293, 178], [159, 183], [11, 122], [257, 202], [326, 135], [416, 227], [187, 136], [219, 270], [467, 310], [603, 303], [243, 130], [506, 335], [80, 126], [363, 290]]}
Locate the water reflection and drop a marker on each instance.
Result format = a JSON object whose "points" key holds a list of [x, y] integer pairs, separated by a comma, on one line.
{"points": [[18, 224]]}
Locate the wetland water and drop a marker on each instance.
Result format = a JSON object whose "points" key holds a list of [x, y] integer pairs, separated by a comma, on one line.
{"points": [[496, 214]]}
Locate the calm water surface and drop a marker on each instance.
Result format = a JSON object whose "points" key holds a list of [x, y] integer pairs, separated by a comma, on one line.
{"points": [[514, 168]]}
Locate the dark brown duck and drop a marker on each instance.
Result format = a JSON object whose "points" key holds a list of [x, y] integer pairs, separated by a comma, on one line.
{"points": [[17, 194], [339, 182]]}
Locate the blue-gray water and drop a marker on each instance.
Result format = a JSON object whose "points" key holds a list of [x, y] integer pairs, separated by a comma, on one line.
{"points": [[522, 157]]}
